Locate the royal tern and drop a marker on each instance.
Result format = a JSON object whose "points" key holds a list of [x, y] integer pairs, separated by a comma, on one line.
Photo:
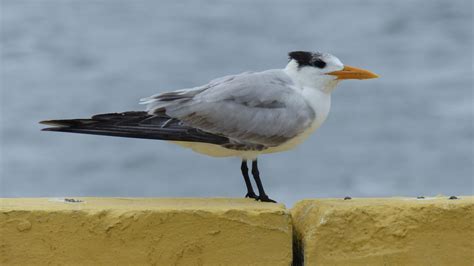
{"points": [[241, 115]]}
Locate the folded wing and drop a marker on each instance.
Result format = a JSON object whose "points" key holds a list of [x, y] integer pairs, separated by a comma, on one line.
{"points": [[135, 125], [251, 108]]}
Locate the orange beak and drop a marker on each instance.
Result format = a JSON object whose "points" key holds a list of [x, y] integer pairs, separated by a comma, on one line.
{"points": [[353, 73]]}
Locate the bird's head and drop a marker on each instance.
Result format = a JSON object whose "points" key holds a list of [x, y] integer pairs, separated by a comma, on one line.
{"points": [[321, 70]]}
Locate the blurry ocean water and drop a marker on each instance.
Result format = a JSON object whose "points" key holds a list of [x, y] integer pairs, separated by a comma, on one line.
{"points": [[408, 133]]}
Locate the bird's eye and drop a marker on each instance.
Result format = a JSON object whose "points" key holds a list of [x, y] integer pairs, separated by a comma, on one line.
{"points": [[319, 63]]}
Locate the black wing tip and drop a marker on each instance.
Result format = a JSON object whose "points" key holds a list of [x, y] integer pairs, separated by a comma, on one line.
{"points": [[54, 123], [68, 122], [52, 129]]}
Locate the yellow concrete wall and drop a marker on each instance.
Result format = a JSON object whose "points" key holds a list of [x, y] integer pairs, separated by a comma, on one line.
{"points": [[121, 231], [141, 231], [394, 231]]}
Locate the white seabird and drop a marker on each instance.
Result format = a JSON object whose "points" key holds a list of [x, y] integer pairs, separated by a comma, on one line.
{"points": [[241, 115]]}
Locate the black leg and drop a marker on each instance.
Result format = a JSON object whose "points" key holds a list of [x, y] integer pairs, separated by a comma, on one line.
{"points": [[256, 175], [245, 173]]}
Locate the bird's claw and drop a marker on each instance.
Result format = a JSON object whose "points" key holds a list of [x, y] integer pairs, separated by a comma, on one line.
{"points": [[251, 195], [265, 198]]}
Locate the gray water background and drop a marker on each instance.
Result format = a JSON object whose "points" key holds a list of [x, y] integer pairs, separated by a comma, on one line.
{"points": [[407, 133]]}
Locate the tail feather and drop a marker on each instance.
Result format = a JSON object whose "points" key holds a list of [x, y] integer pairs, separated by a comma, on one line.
{"points": [[135, 125]]}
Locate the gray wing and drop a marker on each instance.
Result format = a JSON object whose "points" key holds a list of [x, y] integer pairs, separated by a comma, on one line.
{"points": [[250, 108]]}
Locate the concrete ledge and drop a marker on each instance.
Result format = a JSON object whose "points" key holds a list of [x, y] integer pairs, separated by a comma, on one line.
{"points": [[122, 231], [126, 231], [396, 231]]}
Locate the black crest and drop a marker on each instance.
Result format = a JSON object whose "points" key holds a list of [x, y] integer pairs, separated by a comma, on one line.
{"points": [[307, 59]]}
